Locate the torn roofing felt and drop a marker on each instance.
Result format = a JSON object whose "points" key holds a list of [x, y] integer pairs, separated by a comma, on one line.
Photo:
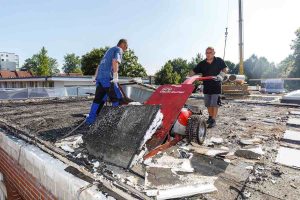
{"points": [[118, 133]]}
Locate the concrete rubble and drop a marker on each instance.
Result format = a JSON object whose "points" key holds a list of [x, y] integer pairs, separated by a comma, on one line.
{"points": [[250, 152], [70, 143], [289, 157], [295, 112], [175, 164], [165, 184], [251, 141], [244, 156], [295, 122], [216, 140], [291, 136]]}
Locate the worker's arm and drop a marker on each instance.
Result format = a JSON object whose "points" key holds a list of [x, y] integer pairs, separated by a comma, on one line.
{"points": [[115, 65], [225, 70], [196, 70], [191, 73], [96, 74]]}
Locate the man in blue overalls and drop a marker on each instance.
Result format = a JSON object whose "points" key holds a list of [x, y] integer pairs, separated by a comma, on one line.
{"points": [[107, 80]]}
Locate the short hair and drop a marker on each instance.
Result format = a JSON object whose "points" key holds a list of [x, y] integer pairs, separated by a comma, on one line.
{"points": [[122, 41], [211, 48]]}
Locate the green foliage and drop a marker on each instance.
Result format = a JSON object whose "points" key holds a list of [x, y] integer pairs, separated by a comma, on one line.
{"points": [[295, 69], [167, 75], [71, 64], [195, 61], [91, 60], [78, 71], [286, 66], [41, 64], [176, 70], [173, 72], [30, 64], [256, 68], [232, 68], [181, 67], [130, 66]]}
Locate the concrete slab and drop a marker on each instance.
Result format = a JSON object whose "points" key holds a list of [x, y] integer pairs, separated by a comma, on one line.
{"points": [[252, 141], [250, 153], [295, 122], [291, 137], [205, 164], [208, 166], [164, 184], [166, 161], [119, 132], [295, 112], [207, 151], [288, 157]]}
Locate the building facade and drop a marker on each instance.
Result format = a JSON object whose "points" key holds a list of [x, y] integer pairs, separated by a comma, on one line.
{"points": [[9, 61]]}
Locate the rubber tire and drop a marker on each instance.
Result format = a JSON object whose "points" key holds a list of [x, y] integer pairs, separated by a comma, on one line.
{"points": [[195, 122]]}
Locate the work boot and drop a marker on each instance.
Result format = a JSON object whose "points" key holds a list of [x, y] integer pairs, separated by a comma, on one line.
{"points": [[93, 114], [212, 124], [209, 120]]}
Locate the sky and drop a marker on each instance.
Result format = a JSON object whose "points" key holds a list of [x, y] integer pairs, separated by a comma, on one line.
{"points": [[157, 30]]}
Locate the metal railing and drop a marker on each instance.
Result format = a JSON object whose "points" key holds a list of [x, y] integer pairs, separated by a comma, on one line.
{"points": [[40, 92]]}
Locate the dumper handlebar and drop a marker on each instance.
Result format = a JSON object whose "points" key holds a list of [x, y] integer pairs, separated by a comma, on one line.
{"points": [[194, 78]]}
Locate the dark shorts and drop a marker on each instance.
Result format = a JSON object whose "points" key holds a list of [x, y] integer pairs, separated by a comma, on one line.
{"points": [[211, 100]]}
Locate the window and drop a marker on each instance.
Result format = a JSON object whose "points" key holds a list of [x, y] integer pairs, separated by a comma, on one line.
{"points": [[2, 59], [6, 55]]}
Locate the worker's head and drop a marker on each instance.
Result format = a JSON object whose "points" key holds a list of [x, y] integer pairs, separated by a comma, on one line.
{"points": [[210, 53], [123, 44]]}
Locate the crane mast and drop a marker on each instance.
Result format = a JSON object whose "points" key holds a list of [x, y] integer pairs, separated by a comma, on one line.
{"points": [[241, 38]]}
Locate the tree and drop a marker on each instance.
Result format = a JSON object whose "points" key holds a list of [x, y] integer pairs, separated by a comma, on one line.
{"points": [[30, 64], [259, 67], [167, 75], [41, 64], [271, 71], [130, 66], [181, 67], [232, 68], [91, 60], [71, 63], [178, 68], [249, 66], [286, 66], [295, 71], [195, 61], [53, 66]]}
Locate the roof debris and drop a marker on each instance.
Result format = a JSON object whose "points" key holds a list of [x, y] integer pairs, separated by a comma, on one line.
{"points": [[243, 155]]}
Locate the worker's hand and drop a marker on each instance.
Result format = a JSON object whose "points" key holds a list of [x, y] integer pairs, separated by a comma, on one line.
{"points": [[115, 77], [218, 78]]}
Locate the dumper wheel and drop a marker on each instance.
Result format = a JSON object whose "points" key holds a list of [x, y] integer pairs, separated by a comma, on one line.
{"points": [[196, 129]]}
